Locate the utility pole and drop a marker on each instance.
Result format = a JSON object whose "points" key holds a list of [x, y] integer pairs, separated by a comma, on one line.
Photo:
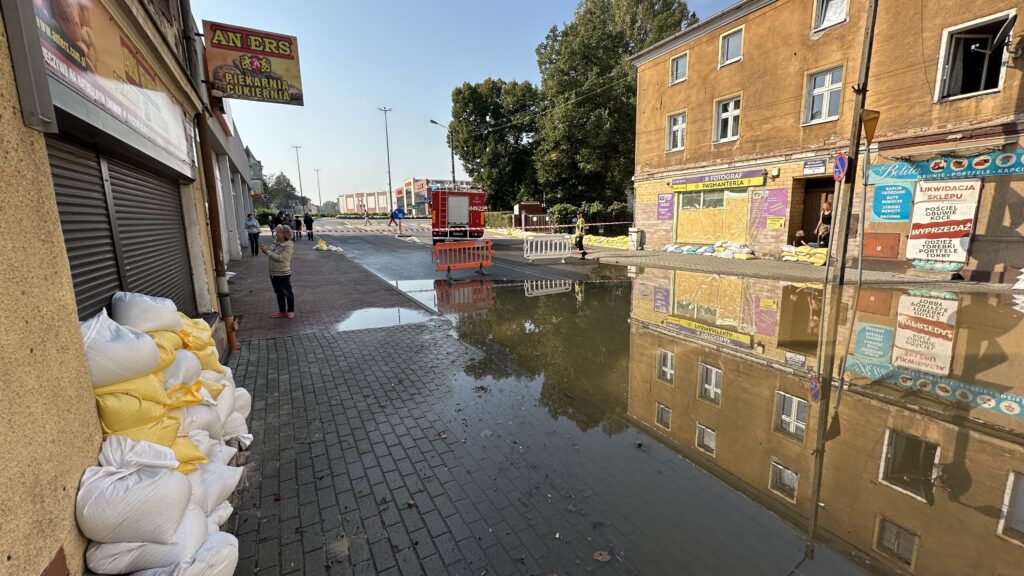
{"points": [[451, 147], [387, 144], [299, 168], [319, 196]]}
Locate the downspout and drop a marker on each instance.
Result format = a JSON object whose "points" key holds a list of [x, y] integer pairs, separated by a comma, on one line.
{"points": [[213, 208]]}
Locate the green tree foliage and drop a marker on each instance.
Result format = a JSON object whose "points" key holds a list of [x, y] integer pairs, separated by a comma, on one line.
{"points": [[492, 129], [280, 191]]}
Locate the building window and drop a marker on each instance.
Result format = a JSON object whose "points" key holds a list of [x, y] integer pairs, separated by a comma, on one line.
{"points": [[679, 65], [706, 438], [824, 90], [702, 200], [727, 119], [829, 13], [731, 44], [908, 464], [896, 541], [790, 415], [783, 480], [663, 416], [1011, 524], [709, 379], [676, 132], [666, 365], [972, 58]]}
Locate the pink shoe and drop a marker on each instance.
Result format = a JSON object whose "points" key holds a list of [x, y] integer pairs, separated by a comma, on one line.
{"points": [[278, 315], [291, 315]]}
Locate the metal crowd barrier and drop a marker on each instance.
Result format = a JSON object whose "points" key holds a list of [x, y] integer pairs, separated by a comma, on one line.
{"points": [[534, 288], [463, 256], [538, 247]]}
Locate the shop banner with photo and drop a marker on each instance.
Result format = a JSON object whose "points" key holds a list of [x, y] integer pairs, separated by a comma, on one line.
{"points": [[769, 208], [248, 64], [943, 220], [714, 334], [925, 331], [740, 179], [949, 167], [85, 49]]}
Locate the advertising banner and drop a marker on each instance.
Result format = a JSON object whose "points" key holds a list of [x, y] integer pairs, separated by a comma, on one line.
{"points": [[249, 64], [86, 50], [662, 296], [741, 179], [943, 220], [925, 331], [712, 333], [773, 205], [665, 202], [873, 341], [891, 203], [947, 167]]}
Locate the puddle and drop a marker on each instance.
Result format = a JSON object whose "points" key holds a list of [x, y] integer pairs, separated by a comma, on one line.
{"points": [[382, 318]]}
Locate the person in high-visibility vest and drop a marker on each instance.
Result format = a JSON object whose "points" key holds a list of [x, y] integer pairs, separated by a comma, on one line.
{"points": [[581, 231]]}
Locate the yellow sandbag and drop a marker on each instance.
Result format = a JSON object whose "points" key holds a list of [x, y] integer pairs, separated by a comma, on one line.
{"points": [[208, 359], [149, 387], [187, 454], [817, 251], [744, 256], [127, 411], [162, 432], [184, 395], [801, 250], [213, 388], [166, 343], [197, 334]]}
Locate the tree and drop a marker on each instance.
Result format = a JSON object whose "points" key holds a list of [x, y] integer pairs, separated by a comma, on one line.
{"points": [[329, 206], [586, 132], [280, 191], [492, 131]]}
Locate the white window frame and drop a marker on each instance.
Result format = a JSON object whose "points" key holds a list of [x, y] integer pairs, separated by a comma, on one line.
{"points": [[885, 456], [819, 10], [787, 423], [703, 386], [810, 92], [658, 407], [671, 128], [892, 554], [944, 56], [698, 440], [772, 465], [661, 368], [721, 42], [1008, 499], [717, 139], [702, 195], [672, 68]]}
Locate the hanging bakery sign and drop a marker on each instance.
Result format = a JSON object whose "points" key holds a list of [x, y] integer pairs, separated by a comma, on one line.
{"points": [[247, 64]]}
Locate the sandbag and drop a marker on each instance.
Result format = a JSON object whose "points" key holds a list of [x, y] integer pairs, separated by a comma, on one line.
{"points": [[202, 440], [225, 377], [212, 484], [221, 453], [226, 405], [202, 418], [167, 342], [188, 455], [235, 427], [195, 334], [162, 432], [213, 388], [131, 404], [184, 370], [209, 359], [184, 395], [219, 515], [124, 557], [145, 313], [243, 402], [218, 556], [134, 495], [116, 353]]}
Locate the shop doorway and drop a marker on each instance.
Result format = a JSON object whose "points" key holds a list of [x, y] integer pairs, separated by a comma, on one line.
{"points": [[816, 191]]}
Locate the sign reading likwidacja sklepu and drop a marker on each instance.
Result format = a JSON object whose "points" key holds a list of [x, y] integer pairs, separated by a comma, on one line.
{"points": [[248, 64]]}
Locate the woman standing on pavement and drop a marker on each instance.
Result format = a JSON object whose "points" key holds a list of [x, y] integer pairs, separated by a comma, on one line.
{"points": [[280, 255], [824, 228], [581, 231], [252, 227]]}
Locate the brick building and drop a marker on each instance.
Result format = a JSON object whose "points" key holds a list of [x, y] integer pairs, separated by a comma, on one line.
{"points": [[740, 117]]}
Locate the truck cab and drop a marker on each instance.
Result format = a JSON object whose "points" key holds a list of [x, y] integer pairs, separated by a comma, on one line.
{"points": [[456, 214]]}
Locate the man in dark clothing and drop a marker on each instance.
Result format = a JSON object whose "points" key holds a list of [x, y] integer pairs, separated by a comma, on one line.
{"points": [[298, 228], [308, 221]]}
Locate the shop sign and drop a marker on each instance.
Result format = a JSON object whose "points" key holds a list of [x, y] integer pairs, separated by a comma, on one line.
{"points": [[947, 167], [713, 333], [873, 342], [943, 220], [741, 179], [86, 50], [815, 166], [249, 64], [420, 186], [665, 206], [773, 204], [662, 297], [925, 330], [891, 203]]}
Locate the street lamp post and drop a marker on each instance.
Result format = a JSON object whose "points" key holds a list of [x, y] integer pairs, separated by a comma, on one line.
{"points": [[387, 144], [319, 196], [299, 168], [451, 146]]}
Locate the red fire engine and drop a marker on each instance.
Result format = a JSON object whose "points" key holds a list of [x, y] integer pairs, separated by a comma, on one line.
{"points": [[456, 214]]}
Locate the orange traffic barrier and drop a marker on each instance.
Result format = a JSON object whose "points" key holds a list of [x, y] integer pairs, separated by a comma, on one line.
{"points": [[463, 255]]}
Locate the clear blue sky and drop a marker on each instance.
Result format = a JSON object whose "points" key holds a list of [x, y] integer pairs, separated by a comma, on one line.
{"points": [[358, 55]]}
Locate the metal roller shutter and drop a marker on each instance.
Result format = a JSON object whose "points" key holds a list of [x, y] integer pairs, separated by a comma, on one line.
{"points": [[86, 225], [151, 230]]}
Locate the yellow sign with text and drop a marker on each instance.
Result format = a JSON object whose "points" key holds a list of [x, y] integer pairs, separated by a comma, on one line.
{"points": [[776, 222], [713, 333], [718, 184], [249, 64]]}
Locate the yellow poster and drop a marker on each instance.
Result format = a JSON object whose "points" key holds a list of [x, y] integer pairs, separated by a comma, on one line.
{"points": [[769, 304], [248, 64], [776, 222]]}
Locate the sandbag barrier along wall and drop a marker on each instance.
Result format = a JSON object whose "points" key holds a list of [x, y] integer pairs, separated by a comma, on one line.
{"points": [[173, 420]]}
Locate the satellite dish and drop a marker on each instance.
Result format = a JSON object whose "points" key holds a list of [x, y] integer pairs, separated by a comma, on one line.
{"points": [[1003, 36]]}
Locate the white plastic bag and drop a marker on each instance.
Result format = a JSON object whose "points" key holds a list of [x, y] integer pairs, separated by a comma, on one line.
{"points": [[145, 313], [184, 370], [134, 496], [243, 402], [202, 418], [225, 404], [235, 427], [124, 557], [116, 353], [213, 484], [218, 556]]}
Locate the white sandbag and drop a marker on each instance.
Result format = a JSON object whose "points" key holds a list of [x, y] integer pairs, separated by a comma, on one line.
{"points": [[218, 556], [219, 515], [213, 484], [135, 496], [225, 404], [202, 440], [235, 427], [208, 399], [221, 453], [124, 557], [243, 402], [216, 377], [184, 370], [202, 418], [116, 353], [145, 313]]}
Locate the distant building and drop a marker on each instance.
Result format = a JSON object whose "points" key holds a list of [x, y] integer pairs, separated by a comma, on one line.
{"points": [[355, 202]]}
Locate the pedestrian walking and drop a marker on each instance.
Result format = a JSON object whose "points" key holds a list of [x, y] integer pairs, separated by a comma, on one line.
{"points": [[308, 221], [366, 217], [280, 255], [298, 228], [393, 220], [252, 227], [581, 231]]}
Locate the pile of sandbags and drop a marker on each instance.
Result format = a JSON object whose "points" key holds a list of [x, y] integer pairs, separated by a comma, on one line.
{"points": [[167, 407], [806, 254], [721, 249]]}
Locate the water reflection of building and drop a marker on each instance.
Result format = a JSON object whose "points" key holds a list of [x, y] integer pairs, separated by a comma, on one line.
{"points": [[911, 482]]}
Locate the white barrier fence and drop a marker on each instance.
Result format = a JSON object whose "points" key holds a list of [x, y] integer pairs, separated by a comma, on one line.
{"points": [[534, 288], [538, 247]]}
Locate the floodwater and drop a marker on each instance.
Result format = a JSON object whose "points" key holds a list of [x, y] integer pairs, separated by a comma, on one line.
{"points": [[382, 317], [673, 420]]}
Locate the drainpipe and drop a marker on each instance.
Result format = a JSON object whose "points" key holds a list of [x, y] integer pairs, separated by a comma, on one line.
{"points": [[213, 208]]}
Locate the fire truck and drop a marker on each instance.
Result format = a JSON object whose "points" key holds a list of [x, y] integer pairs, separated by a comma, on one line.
{"points": [[456, 214]]}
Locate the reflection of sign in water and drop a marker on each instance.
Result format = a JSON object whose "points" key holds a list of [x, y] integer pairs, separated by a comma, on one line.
{"points": [[252, 64], [873, 342], [946, 388], [766, 316], [665, 206], [991, 164], [943, 220], [925, 331], [712, 333], [662, 298], [86, 50], [891, 203], [740, 179]]}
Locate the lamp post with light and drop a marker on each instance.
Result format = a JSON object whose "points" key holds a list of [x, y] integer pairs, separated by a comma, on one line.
{"points": [[451, 146]]}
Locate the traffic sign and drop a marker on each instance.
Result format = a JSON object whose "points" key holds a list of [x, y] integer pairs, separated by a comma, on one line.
{"points": [[815, 388], [839, 166]]}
